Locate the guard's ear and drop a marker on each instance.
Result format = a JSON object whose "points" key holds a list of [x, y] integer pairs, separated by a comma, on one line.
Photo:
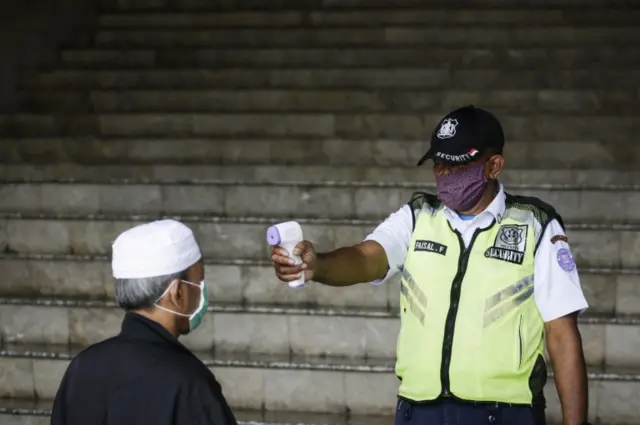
{"points": [[494, 166]]}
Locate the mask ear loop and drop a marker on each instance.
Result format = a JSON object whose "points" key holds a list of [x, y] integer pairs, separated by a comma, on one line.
{"points": [[202, 295], [175, 312], [165, 291]]}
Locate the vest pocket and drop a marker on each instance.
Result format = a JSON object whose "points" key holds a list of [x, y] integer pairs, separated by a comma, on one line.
{"points": [[520, 343]]}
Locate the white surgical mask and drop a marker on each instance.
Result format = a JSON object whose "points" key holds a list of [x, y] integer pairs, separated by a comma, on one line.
{"points": [[195, 318]]}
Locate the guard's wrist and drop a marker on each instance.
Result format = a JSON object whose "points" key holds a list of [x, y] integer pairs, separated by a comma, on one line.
{"points": [[319, 268]]}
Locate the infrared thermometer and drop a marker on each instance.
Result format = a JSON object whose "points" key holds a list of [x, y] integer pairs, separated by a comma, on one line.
{"points": [[287, 235]]}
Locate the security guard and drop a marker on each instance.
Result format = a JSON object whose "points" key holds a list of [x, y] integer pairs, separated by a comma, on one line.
{"points": [[485, 275]]}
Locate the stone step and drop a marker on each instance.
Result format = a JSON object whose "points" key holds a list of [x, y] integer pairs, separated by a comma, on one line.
{"points": [[362, 17], [309, 385], [248, 19], [92, 58], [433, 36], [542, 154], [25, 418], [610, 179], [253, 282], [607, 246], [342, 201], [346, 78], [269, 330], [203, 5], [611, 58], [199, 5], [356, 101], [29, 412], [248, 382], [416, 126], [480, 4]]}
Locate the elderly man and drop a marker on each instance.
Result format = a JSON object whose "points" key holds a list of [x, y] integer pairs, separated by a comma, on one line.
{"points": [[144, 375], [485, 275]]}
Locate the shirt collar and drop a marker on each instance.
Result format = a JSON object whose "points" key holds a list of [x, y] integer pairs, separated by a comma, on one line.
{"points": [[496, 208], [139, 328]]}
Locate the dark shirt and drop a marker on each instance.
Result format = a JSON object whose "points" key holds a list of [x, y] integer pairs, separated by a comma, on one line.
{"points": [[142, 376]]}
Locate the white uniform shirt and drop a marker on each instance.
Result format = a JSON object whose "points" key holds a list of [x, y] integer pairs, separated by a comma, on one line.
{"points": [[557, 292]]}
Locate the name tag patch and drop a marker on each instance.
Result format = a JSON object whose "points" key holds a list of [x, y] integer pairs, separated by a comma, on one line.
{"points": [[510, 244], [430, 246]]}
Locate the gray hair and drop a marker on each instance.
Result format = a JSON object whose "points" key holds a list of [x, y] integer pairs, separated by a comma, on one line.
{"points": [[142, 293]]}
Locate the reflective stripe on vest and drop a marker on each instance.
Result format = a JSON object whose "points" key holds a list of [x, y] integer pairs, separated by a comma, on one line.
{"points": [[470, 326]]}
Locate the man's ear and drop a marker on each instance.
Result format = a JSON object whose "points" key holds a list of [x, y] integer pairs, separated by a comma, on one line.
{"points": [[176, 293], [495, 164]]}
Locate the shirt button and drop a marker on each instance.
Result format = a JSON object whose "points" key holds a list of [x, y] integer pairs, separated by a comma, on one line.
{"points": [[492, 419]]}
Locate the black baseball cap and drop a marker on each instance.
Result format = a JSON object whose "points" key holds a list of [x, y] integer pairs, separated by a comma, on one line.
{"points": [[463, 135]]}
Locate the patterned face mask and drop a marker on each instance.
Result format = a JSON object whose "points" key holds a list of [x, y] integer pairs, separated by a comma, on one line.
{"points": [[462, 189]]}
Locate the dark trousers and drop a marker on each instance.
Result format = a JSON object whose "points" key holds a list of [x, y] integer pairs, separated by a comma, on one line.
{"points": [[451, 412]]}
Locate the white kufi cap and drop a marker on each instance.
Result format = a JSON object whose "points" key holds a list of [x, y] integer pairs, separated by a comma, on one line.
{"points": [[154, 249]]}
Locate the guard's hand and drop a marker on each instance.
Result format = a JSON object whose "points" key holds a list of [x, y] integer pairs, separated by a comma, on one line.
{"points": [[283, 265]]}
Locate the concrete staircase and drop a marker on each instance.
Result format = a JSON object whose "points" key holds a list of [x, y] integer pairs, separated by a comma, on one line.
{"points": [[236, 118]]}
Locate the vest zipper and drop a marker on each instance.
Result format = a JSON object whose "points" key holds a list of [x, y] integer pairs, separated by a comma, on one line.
{"points": [[450, 322], [456, 289]]}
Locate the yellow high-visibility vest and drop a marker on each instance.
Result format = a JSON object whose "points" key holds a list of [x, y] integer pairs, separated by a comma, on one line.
{"points": [[470, 326]]}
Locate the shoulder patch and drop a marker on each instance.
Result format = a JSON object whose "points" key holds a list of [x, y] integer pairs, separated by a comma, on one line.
{"points": [[565, 260], [557, 238]]}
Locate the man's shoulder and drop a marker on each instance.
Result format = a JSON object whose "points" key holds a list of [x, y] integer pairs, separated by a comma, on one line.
{"points": [[98, 349], [150, 355], [421, 199], [542, 211], [87, 359]]}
